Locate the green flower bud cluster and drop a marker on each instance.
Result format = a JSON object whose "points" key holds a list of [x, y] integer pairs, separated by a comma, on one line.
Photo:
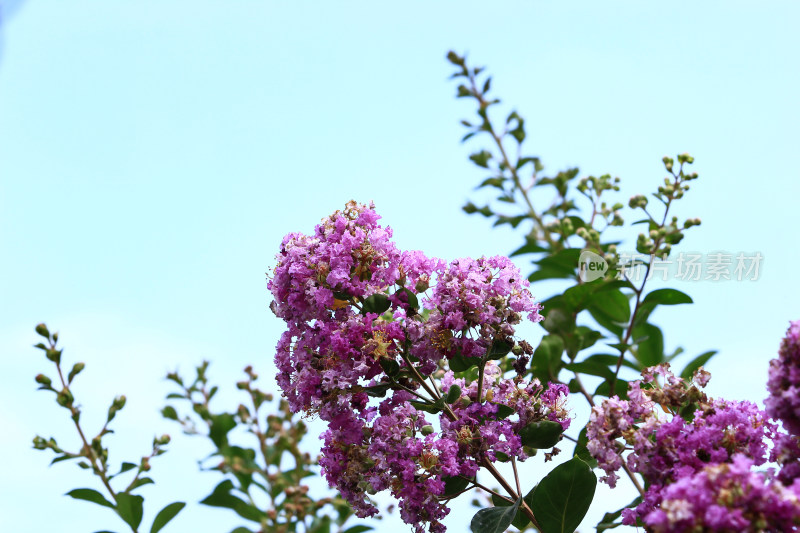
{"points": [[662, 236]]}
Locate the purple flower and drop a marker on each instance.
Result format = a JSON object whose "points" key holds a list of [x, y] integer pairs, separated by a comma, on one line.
{"points": [[725, 497], [783, 384], [367, 321]]}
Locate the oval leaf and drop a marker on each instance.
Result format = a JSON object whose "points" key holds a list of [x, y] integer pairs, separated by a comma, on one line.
{"points": [[667, 297], [696, 363], [454, 485], [562, 498], [165, 515], [494, 519], [90, 495], [376, 303], [613, 304], [130, 508], [542, 434], [650, 341]]}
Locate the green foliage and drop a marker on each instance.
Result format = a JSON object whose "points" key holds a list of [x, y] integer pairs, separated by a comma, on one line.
{"points": [[562, 498], [543, 434], [561, 215], [93, 454], [494, 519], [257, 453]]}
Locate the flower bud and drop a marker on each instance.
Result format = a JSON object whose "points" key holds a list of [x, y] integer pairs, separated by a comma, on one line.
{"points": [[43, 380], [464, 435], [41, 329], [64, 398], [426, 430], [638, 200]]}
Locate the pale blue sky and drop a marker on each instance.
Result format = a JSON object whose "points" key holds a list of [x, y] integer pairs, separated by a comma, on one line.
{"points": [[153, 154]]}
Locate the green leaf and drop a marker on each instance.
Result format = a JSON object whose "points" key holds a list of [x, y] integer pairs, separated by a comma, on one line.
{"points": [[377, 391], [529, 248], [241, 530], [562, 498], [427, 407], [125, 467], [376, 303], [496, 182], [543, 434], [454, 484], [620, 389], [543, 273], [130, 508], [558, 320], [221, 497], [65, 457], [499, 349], [609, 519], [459, 363], [411, 298], [610, 360], [562, 264], [521, 520], [696, 363], [612, 303], [90, 495], [358, 529], [547, 358], [481, 158], [586, 337], [606, 322], [591, 368], [667, 297], [165, 515], [577, 297], [390, 366], [650, 341], [582, 451], [220, 426], [494, 519], [504, 411]]}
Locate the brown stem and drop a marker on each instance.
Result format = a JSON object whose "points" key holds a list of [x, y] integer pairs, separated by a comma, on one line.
{"points": [[516, 475], [583, 390], [500, 479], [633, 478]]}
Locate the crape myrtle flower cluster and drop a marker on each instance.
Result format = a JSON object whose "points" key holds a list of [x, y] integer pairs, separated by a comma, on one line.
{"points": [[373, 336], [697, 455], [783, 404]]}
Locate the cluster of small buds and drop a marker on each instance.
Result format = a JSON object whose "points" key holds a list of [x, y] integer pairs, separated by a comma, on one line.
{"points": [[369, 328], [697, 435], [662, 236]]}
